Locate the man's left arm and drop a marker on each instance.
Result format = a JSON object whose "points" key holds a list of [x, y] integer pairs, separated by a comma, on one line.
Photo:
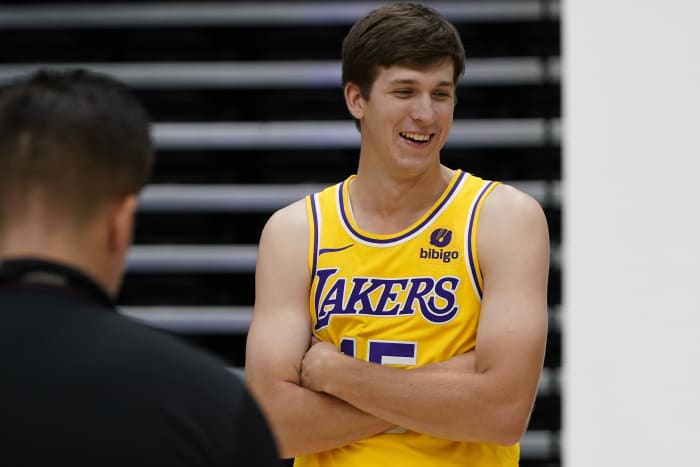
{"points": [[494, 403]]}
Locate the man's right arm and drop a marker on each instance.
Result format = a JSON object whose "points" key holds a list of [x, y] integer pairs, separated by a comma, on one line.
{"points": [[303, 421]]}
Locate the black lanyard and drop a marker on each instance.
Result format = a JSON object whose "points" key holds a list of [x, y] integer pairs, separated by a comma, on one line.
{"points": [[28, 272]]}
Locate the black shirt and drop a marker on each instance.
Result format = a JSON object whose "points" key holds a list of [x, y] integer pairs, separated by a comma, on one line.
{"points": [[81, 385]]}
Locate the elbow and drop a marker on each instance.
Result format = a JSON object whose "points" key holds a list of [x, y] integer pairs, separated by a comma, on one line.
{"points": [[286, 450], [271, 400], [509, 428], [502, 422], [289, 442], [283, 430], [508, 417], [265, 396], [500, 427], [509, 433]]}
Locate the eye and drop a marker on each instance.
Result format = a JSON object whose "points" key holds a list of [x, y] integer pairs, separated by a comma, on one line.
{"points": [[442, 95], [403, 92]]}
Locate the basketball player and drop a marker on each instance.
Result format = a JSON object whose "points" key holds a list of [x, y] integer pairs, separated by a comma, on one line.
{"points": [[400, 315]]}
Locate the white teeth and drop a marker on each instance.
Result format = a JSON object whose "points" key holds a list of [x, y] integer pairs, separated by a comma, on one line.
{"points": [[415, 136]]}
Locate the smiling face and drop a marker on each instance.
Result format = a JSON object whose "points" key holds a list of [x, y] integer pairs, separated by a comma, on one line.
{"points": [[406, 118]]}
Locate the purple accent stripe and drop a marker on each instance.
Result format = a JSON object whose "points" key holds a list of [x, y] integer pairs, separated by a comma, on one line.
{"points": [[314, 217], [469, 236], [333, 250], [427, 220]]}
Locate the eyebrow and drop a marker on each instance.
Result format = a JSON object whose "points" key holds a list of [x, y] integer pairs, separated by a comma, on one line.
{"points": [[412, 81]]}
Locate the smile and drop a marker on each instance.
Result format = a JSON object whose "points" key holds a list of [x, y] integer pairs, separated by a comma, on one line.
{"points": [[416, 137]]}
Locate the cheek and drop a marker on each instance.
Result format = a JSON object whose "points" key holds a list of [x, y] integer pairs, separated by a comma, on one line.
{"points": [[385, 120], [446, 112], [446, 119]]}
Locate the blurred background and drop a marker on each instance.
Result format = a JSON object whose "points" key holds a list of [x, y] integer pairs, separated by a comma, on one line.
{"points": [[249, 116]]}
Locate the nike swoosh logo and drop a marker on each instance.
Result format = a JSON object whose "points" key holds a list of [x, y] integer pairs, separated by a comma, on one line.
{"points": [[333, 250]]}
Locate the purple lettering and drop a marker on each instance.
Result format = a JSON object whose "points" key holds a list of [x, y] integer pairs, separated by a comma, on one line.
{"points": [[388, 293], [359, 295], [436, 314], [420, 286]]}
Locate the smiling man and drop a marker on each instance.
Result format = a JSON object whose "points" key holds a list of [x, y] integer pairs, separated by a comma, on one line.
{"points": [[400, 315]]}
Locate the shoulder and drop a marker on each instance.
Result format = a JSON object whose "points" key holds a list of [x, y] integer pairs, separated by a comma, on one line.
{"points": [[296, 215], [286, 227], [512, 225], [292, 216], [284, 242], [508, 205]]}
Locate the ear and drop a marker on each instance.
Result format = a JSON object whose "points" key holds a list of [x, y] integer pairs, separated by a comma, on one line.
{"points": [[354, 100], [121, 223]]}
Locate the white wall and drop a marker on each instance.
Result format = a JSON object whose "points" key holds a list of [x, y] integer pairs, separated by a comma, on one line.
{"points": [[632, 232]]}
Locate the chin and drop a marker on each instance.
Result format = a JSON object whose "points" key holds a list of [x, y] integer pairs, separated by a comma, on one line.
{"points": [[417, 163]]}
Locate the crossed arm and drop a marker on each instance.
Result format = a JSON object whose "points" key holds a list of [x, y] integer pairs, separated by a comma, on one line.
{"points": [[303, 421], [317, 398]]}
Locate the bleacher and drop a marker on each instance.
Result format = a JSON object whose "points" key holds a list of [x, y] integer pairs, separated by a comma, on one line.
{"points": [[249, 116]]}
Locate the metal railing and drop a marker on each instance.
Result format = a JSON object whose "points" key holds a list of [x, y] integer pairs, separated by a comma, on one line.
{"points": [[325, 134], [268, 197], [250, 13], [285, 74]]}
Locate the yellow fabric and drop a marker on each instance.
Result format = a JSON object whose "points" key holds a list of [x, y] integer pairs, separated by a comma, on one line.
{"points": [[405, 300]]}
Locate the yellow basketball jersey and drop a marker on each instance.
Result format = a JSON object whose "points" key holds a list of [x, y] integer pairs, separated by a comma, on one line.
{"points": [[406, 300]]}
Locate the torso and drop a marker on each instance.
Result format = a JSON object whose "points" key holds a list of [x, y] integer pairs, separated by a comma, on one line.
{"points": [[405, 299]]}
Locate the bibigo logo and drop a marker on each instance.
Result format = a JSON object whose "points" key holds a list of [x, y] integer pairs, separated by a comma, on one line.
{"points": [[439, 238]]}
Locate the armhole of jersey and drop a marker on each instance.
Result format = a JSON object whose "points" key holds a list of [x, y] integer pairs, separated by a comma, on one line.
{"points": [[474, 271], [314, 228]]}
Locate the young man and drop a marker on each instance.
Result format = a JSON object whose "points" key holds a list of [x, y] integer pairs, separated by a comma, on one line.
{"points": [[407, 265], [81, 384]]}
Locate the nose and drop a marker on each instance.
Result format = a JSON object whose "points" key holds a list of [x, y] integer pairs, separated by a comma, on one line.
{"points": [[422, 109]]}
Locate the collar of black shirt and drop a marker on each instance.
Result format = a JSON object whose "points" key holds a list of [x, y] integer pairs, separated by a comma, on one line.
{"points": [[41, 272]]}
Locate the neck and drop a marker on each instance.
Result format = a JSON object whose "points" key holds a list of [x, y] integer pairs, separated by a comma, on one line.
{"points": [[386, 205], [77, 250]]}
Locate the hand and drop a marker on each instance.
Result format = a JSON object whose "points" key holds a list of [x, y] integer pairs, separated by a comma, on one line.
{"points": [[314, 363]]}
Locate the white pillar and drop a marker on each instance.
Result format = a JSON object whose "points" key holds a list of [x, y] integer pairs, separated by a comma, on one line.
{"points": [[631, 77]]}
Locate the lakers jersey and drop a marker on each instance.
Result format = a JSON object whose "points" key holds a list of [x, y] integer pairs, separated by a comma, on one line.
{"points": [[406, 299]]}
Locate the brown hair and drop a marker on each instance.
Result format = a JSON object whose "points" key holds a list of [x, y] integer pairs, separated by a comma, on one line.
{"points": [[74, 138], [405, 34]]}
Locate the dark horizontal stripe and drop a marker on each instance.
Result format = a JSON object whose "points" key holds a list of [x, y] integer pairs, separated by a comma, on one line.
{"points": [[249, 13]]}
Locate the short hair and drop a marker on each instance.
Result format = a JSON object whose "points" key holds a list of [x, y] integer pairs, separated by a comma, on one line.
{"points": [[73, 137], [407, 34]]}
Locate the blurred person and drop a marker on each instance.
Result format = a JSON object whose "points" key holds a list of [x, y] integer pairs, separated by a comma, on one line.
{"points": [[83, 385], [401, 315]]}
